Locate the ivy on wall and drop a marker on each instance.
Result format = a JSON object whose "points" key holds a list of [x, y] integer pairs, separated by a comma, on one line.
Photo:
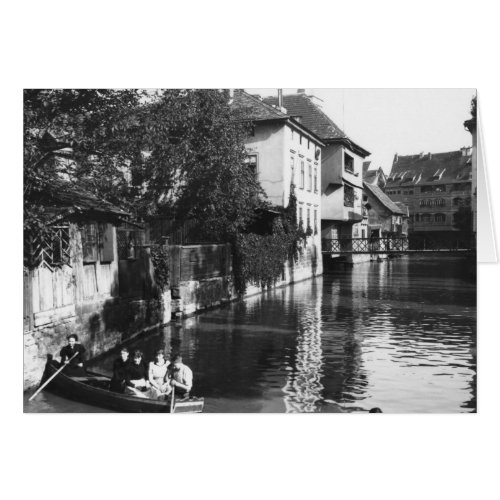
{"points": [[260, 259], [160, 258]]}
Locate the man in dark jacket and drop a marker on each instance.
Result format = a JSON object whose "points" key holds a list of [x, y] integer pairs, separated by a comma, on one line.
{"points": [[120, 367], [72, 355]]}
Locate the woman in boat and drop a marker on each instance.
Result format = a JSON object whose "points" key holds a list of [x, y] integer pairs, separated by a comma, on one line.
{"points": [[158, 376], [120, 371], [136, 379], [72, 355]]}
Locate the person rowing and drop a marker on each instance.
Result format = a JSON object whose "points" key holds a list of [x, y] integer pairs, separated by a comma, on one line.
{"points": [[72, 355]]}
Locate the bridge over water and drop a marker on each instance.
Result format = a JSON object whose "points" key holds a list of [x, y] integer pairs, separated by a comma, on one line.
{"points": [[347, 246]]}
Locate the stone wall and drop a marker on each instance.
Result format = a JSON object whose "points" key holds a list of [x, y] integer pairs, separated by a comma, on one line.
{"points": [[196, 295], [100, 326]]}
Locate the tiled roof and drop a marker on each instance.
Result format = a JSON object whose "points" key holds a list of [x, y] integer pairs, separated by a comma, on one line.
{"points": [[429, 168], [301, 106], [63, 198], [403, 207], [383, 199], [253, 108]]}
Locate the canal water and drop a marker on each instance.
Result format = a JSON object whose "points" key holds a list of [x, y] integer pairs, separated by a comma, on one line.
{"points": [[398, 334]]}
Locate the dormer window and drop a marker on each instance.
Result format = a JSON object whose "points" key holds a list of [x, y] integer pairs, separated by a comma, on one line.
{"points": [[438, 174]]}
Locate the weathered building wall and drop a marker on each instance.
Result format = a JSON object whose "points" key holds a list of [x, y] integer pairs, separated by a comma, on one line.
{"points": [[83, 298]]}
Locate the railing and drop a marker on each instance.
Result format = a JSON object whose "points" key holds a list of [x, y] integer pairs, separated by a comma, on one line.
{"points": [[364, 245], [392, 245]]}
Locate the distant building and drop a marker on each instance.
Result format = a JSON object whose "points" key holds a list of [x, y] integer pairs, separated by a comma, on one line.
{"points": [[434, 187], [374, 177], [285, 155], [341, 168], [386, 219]]}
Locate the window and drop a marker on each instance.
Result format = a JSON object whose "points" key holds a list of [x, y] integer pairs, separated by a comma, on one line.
{"points": [[348, 163], [315, 228], [308, 218], [292, 169], [89, 242], [300, 216], [458, 202], [440, 202], [310, 178], [417, 217], [468, 201], [251, 161], [348, 196], [426, 217], [300, 139], [315, 180], [439, 218], [410, 192], [128, 241], [302, 174]]}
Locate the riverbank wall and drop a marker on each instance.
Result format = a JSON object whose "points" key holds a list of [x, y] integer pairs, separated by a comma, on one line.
{"points": [[195, 295]]}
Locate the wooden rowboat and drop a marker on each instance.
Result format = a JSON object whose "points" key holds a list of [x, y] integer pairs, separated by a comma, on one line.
{"points": [[93, 389]]}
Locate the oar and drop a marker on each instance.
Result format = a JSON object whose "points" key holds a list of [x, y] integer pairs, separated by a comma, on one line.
{"points": [[47, 381], [172, 406]]}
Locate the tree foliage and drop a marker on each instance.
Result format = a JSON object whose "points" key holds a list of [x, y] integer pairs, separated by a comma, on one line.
{"points": [[173, 152]]}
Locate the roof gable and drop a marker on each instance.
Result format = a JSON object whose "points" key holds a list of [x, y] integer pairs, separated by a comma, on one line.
{"points": [[383, 199]]}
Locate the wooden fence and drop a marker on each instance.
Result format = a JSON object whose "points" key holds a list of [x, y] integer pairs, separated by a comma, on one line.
{"points": [[196, 262]]}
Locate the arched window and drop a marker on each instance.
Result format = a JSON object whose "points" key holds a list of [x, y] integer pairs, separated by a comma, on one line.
{"points": [[458, 202], [426, 217], [440, 218], [440, 202]]}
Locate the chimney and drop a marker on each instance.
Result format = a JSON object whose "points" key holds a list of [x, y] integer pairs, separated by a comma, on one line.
{"points": [[280, 98], [301, 91], [395, 158], [430, 156], [231, 96]]}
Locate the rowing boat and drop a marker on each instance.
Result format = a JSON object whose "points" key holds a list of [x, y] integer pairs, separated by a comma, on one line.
{"points": [[93, 389]]}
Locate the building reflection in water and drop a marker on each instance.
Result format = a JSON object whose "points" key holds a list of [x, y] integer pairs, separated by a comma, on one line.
{"points": [[303, 389]]}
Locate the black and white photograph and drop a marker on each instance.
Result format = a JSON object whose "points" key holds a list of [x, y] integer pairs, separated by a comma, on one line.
{"points": [[259, 250], [244, 250]]}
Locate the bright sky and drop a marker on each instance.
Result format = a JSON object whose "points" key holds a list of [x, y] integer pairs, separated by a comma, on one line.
{"points": [[403, 121]]}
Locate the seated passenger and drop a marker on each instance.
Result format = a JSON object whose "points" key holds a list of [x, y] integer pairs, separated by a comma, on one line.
{"points": [[72, 356], [120, 371], [136, 376], [181, 376], [158, 376]]}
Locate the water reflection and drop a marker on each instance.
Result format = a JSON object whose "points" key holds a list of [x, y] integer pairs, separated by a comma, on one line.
{"points": [[400, 335], [303, 385]]}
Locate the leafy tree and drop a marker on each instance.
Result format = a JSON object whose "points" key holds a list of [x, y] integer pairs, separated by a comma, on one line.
{"points": [[94, 124], [195, 167], [173, 152]]}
